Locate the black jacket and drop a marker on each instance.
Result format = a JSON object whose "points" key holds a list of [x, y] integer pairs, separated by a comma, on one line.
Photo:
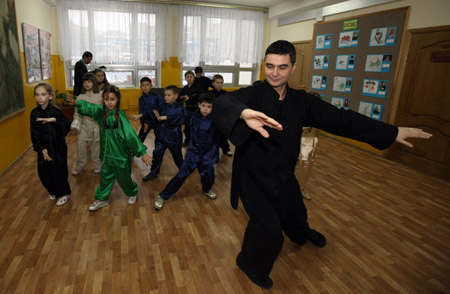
{"points": [[269, 163]]}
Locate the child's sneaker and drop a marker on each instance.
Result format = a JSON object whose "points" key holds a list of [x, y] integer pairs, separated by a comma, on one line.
{"points": [[77, 171], [159, 202], [210, 194], [229, 153], [97, 204], [132, 200], [62, 200]]}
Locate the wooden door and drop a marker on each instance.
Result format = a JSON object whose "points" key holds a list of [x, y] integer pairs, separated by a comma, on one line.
{"points": [[299, 79], [424, 102]]}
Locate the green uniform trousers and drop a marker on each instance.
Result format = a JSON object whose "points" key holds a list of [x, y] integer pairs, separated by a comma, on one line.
{"points": [[108, 177]]}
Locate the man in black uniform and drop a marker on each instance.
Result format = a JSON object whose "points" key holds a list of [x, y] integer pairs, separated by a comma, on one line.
{"points": [[80, 70], [265, 123]]}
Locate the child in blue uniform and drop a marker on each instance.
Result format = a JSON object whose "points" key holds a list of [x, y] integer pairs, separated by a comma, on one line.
{"points": [[170, 116], [202, 153], [147, 103]]}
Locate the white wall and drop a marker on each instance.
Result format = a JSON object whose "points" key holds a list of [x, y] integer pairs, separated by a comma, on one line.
{"points": [[423, 14]]}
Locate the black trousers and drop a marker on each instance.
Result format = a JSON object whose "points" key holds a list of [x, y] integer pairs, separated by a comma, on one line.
{"points": [[223, 144], [54, 178], [270, 217]]}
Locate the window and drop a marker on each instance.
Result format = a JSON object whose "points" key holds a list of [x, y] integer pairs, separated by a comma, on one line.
{"points": [[221, 41], [233, 75], [128, 38]]}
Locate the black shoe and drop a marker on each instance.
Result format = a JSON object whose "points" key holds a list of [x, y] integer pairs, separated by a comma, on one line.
{"points": [[264, 282], [149, 177], [316, 238]]}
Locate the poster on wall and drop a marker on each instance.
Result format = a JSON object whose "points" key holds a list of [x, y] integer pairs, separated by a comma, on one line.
{"points": [[323, 41], [321, 61], [378, 62], [348, 39], [11, 89], [340, 102], [383, 36], [345, 62], [32, 56], [375, 88], [46, 55], [371, 110], [319, 82], [342, 84]]}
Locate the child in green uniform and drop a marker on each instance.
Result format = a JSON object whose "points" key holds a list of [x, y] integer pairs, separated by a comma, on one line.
{"points": [[117, 138]]}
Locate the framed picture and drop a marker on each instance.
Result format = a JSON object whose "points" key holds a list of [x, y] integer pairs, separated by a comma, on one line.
{"points": [[371, 110], [375, 88], [323, 41], [319, 82], [321, 61], [383, 36], [345, 62], [378, 62], [342, 84], [11, 89], [340, 102], [348, 39], [32, 55], [46, 55]]}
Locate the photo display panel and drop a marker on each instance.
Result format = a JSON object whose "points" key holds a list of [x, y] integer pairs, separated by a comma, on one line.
{"points": [[355, 61]]}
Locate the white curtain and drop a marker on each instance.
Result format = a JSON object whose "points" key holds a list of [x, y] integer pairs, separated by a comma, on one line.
{"points": [[115, 32], [219, 36]]}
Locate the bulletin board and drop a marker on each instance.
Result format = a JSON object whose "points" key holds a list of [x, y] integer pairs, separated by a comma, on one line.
{"points": [[355, 61]]}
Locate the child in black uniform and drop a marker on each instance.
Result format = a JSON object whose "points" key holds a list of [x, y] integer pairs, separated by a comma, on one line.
{"points": [[49, 128], [190, 94]]}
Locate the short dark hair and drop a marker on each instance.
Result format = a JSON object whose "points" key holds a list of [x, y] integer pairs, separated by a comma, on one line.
{"points": [[198, 69], [189, 72], [217, 77], [207, 97], [145, 79], [172, 88], [282, 47], [87, 54]]}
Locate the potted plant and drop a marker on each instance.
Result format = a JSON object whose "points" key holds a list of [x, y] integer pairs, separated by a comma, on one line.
{"points": [[62, 102]]}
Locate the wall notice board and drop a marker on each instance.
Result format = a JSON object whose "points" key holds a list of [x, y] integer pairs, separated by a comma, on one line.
{"points": [[355, 61]]}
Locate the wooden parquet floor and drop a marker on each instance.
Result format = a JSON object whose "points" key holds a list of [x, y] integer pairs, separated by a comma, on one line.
{"points": [[388, 231]]}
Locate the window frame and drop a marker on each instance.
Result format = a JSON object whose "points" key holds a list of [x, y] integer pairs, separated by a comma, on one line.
{"points": [[234, 69], [69, 68]]}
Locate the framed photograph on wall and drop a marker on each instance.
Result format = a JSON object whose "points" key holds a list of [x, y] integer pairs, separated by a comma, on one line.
{"points": [[340, 102], [321, 61], [323, 41], [32, 55], [46, 55], [11, 89]]}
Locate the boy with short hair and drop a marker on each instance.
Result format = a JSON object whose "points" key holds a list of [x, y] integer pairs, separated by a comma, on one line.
{"points": [[202, 153], [147, 103], [190, 94], [204, 82], [170, 117], [217, 90]]}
